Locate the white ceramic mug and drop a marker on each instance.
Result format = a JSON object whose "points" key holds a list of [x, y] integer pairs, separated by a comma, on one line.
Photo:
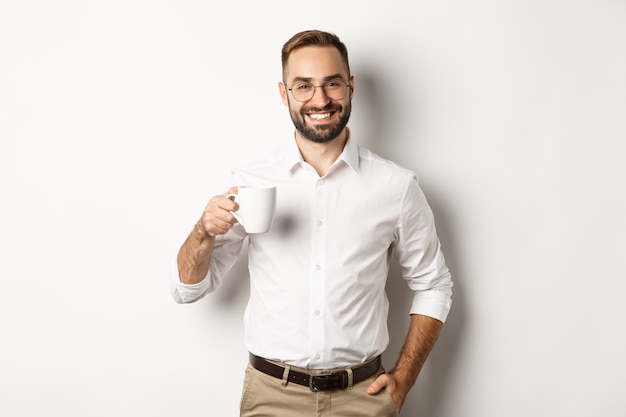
{"points": [[257, 204]]}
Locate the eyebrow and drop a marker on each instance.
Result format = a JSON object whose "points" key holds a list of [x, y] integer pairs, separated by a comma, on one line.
{"points": [[327, 78]]}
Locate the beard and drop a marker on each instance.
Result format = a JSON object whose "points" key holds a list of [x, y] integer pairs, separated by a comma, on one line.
{"points": [[324, 133]]}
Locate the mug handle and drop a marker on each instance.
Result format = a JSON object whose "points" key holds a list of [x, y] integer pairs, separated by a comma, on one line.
{"points": [[235, 198]]}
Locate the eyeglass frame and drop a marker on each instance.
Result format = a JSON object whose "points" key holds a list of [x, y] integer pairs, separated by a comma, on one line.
{"points": [[329, 79]]}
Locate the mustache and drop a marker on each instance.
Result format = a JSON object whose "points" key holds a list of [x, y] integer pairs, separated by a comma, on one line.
{"points": [[329, 107]]}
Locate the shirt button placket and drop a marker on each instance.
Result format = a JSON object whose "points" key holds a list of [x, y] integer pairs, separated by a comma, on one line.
{"points": [[318, 259]]}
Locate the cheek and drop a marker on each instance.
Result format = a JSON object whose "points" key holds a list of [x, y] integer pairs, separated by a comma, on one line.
{"points": [[295, 109]]}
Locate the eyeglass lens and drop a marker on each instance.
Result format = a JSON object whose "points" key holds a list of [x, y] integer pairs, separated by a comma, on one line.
{"points": [[334, 89]]}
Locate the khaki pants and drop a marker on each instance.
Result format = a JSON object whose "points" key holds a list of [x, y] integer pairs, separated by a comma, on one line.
{"points": [[266, 396]]}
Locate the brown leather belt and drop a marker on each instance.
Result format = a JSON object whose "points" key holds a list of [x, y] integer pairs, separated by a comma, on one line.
{"points": [[323, 382]]}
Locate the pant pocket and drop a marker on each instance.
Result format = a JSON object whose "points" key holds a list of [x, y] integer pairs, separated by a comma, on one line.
{"points": [[248, 381]]}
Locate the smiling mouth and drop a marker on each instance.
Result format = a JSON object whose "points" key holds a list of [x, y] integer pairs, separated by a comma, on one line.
{"points": [[319, 116]]}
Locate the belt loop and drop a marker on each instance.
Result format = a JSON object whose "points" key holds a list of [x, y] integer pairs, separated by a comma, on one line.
{"points": [[285, 375], [350, 378]]}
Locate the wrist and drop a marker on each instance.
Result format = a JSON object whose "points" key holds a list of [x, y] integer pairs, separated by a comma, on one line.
{"points": [[200, 232], [404, 379]]}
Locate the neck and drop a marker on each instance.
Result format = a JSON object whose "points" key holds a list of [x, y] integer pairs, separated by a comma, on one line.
{"points": [[322, 155]]}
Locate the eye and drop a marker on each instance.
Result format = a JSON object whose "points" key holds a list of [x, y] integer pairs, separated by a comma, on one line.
{"points": [[302, 86], [334, 84]]}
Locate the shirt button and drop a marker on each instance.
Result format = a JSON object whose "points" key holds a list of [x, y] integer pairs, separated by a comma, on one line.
{"points": [[316, 312], [317, 267], [320, 223], [317, 357]]}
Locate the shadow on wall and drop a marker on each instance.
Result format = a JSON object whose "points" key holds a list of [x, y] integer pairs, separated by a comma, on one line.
{"points": [[376, 118]]}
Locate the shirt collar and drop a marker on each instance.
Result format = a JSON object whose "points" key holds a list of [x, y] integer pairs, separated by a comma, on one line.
{"points": [[350, 155]]}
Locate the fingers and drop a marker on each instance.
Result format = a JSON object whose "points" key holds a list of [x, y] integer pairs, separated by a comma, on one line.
{"points": [[387, 382], [217, 218], [381, 382]]}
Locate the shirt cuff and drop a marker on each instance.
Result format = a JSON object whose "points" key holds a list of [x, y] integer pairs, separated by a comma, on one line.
{"points": [[187, 293], [432, 304]]}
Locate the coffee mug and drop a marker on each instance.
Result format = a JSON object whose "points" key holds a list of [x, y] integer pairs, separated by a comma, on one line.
{"points": [[257, 204]]}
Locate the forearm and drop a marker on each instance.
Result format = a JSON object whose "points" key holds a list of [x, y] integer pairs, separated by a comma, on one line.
{"points": [[421, 337], [194, 255]]}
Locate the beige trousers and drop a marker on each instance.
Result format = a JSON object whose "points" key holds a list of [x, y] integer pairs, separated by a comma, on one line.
{"points": [[266, 396]]}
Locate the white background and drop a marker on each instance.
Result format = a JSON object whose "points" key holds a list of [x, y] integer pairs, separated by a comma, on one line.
{"points": [[120, 119]]}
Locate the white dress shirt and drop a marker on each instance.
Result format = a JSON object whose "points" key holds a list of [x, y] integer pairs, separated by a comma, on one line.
{"points": [[317, 278]]}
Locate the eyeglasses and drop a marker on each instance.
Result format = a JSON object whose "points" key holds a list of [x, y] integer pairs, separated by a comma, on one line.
{"points": [[335, 89]]}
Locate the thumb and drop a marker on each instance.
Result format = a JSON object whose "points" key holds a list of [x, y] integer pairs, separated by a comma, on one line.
{"points": [[381, 382]]}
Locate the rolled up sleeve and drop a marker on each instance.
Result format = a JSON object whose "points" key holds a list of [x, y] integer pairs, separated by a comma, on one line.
{"points": [[225, 253], [420, 256]]}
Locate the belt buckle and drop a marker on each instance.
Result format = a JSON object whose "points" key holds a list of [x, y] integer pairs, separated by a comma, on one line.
{"points": [[335, 378]]}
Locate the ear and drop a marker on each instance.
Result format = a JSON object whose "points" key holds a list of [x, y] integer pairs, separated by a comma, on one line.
{"points": [[351, 86], [283, 93]]}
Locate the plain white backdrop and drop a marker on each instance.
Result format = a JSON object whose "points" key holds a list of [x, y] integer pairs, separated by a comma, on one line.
{"points": [[120, 119]]}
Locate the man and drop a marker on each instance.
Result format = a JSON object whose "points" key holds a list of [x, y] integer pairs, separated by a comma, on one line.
{"points": [[316, 320]]}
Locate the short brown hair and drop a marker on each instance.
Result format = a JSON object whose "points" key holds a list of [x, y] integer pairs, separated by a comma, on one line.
{"points": [[313, 38]]}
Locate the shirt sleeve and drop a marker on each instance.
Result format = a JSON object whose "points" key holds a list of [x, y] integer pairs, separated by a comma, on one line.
{"points": [[419, 254], [225, 253]]}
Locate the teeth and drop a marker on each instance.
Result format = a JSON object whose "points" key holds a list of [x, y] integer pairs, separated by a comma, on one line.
{"points": [[320, 116]]}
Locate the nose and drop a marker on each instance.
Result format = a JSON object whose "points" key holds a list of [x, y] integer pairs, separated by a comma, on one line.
{"points": [[319, 96]]}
